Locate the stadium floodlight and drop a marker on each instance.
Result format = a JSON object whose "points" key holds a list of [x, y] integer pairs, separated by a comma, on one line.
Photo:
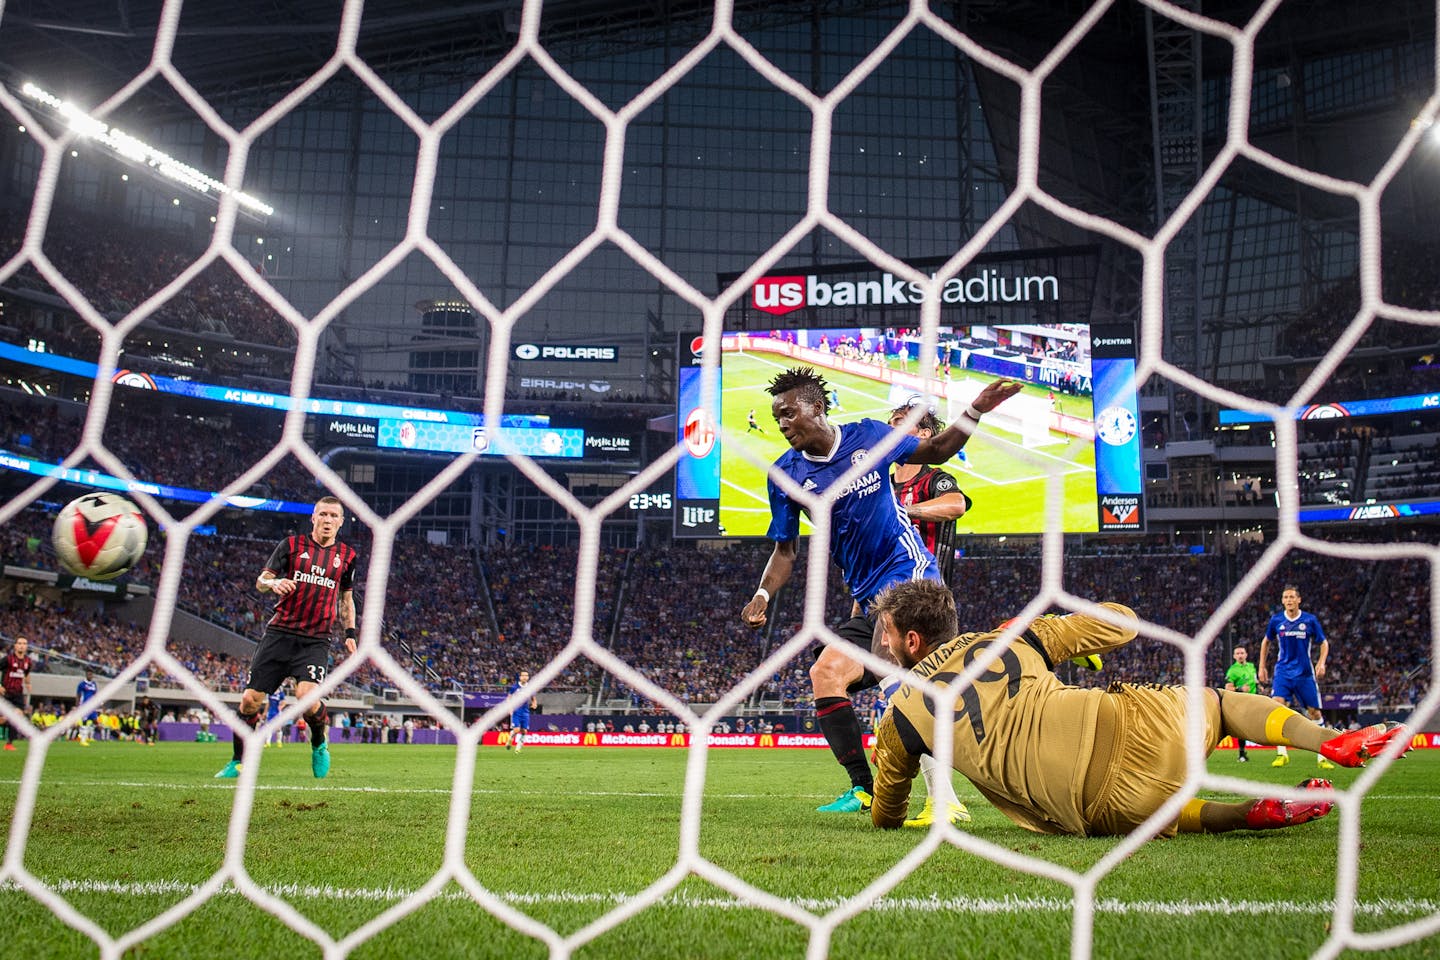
{"points": [[137, 151]]}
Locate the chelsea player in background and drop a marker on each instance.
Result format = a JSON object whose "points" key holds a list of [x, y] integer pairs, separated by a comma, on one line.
{"points": [[1293, 632], [85, 691], [274, 703], [872, 540]]}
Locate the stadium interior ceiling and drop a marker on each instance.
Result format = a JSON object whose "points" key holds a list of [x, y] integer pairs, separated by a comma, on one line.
{"points": [[261, 49], [1099, 151]]}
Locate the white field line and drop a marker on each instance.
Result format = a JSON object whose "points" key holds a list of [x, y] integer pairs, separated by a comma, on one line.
{"points": [[878, 397], [975, 905], [446, 791], [749, 493], [436, 791]]}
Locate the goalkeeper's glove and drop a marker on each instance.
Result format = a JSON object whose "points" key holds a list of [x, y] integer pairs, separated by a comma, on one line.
{"points": [[1088, 662]]}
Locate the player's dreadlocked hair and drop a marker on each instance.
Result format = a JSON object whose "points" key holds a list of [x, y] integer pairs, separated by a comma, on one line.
{"points": [[811, 385]]}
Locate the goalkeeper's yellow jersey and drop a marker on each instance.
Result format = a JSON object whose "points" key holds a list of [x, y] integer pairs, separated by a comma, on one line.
{"points": [[1022, 737]]}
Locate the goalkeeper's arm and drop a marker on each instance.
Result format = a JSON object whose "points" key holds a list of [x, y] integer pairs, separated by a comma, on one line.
{"points": [[895, 770], [1078, 636]]}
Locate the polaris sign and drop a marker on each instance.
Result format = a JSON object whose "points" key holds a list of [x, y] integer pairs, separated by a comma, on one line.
{"points": [[569, 352]]}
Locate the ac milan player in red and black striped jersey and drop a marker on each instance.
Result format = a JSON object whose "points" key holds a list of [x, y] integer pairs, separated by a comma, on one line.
{"points": [[16, 681], [933, 501], [931, 497], [314, 578]]}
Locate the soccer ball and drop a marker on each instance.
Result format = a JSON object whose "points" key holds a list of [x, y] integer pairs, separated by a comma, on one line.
{"points": [[99, 535]]}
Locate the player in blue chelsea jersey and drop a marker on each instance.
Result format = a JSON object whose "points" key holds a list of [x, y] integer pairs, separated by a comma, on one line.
{"points": [[520, 717], [85, 691], [274, 703], [872, 540], [1293, 632]]}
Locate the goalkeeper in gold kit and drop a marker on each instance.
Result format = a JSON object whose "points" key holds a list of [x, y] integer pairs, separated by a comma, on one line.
{"points": [[1059, 759]]}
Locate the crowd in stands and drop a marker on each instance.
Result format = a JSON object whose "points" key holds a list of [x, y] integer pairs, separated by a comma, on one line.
{"points": [[462, 621], [182, 451], [109, 644], [119, 266], [1403, 467], [1328, 471], [1407, 280], [672, 613], [456, 620]]}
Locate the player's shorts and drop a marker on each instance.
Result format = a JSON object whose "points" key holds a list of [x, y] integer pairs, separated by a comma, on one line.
{"points": [[282, 655], [16, 698], [1300, 688], [520, 720], [1147, 765]]}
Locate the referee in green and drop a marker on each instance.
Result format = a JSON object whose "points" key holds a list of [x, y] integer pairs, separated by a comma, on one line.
{"points": [[1241, 677]]}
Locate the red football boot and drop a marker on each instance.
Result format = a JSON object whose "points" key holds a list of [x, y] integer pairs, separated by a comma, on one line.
{"points": [[1354, 748], [1268, 813]]}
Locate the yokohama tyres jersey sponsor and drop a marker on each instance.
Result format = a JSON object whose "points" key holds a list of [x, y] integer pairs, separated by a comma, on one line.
{"points": [[16, 670], [321, 574], [872, 541]]}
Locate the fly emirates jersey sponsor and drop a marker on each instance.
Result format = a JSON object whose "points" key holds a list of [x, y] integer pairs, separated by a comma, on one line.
{"points": [[872, 540], [321, 574]]}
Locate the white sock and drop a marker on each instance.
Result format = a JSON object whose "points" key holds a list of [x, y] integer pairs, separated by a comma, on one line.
{"points": [[1282, 751], [937, 781]]}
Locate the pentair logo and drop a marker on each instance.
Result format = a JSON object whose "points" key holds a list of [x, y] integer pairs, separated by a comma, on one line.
{"points": [[527, 351]]}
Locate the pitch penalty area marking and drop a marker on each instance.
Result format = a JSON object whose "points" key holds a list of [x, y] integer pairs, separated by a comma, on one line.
{"points": [[973, 905]]}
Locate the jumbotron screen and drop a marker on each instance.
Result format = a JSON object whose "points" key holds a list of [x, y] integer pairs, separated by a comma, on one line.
{"points": [[1077, 416]]}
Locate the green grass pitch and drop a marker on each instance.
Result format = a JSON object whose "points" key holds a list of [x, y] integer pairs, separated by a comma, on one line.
{"points": [[565, 835], [1006, 480]]}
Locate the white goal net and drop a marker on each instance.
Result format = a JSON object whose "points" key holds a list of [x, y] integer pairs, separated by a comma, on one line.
{"points": [[1030, 419]]}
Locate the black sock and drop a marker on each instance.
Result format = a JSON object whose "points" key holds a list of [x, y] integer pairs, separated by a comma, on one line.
{"points": [[318, 722], [841, 728], [237, 745]]}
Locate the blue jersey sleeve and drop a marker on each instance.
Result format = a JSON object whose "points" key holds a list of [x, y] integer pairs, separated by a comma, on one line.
{"points": [[784, 514]]}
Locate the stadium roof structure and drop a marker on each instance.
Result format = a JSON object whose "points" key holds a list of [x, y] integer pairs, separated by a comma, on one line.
{"points": [[259, 48]]}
